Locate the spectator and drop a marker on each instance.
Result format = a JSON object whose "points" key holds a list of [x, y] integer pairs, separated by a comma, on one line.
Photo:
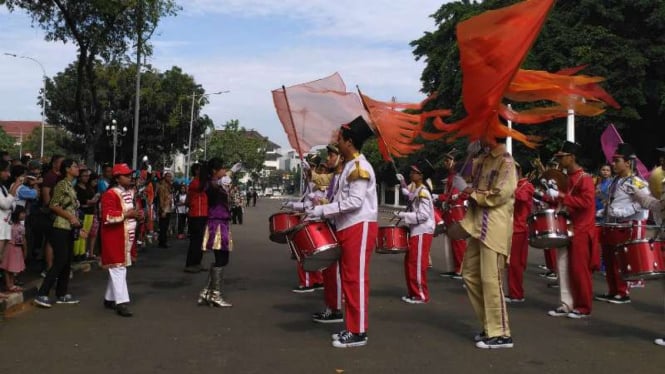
{"points": [[16, 177], [165, 197], [44, 221], [105, 180], [91, 241], [181, 209], [13, 261], [27, 193], [237, 205], [88, 199], [64, 205], [6, 202], [197, 200]]}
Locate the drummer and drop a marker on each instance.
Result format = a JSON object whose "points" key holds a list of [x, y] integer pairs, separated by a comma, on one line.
{"points": [[550, 254], [453, 187], [419, 216], [355, 211], [319, 179], [622, 208], [575, 262], [332, 287]]}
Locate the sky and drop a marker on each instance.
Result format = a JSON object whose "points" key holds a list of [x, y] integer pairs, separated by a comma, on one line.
{"points": [[248, 47]]}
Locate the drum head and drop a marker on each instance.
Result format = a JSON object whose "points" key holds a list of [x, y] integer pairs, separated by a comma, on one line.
{"points": [[558, 176]]}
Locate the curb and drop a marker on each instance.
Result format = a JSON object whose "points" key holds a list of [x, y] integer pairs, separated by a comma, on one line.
{"points": [[16, 300]]}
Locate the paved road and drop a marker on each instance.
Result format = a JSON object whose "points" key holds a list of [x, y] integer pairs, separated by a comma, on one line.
{"points": [[268, 330]]}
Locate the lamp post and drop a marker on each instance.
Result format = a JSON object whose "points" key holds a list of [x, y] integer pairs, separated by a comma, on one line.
{"points": [[113, 130], [41, 149], [205, 143], [191, 125]]}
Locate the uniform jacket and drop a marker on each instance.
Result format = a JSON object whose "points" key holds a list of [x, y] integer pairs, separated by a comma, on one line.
{"points": [[117, 232], [420, 214]]}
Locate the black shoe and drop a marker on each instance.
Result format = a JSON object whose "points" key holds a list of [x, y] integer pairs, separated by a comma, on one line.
{"points": [[318, 286], [348, 340], [495, 342], [480, 336], [303, 289], [448, 274], [122, 310], [328, 316], [108, 304], [604, 297], [617, 299]]}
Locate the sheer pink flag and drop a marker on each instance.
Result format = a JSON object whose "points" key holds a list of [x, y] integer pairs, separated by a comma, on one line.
{"points": [[317, 110], [609, 141]]}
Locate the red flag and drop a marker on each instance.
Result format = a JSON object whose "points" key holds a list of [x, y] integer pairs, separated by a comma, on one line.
{"points": [[609, 140], [312, 112]]}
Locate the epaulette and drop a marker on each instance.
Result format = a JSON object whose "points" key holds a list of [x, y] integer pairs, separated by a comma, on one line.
{"points": [[357, 173], [423, 194], [638, 182]]}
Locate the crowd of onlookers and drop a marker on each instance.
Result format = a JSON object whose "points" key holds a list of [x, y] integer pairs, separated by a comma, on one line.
{"points": [[49, 216]]}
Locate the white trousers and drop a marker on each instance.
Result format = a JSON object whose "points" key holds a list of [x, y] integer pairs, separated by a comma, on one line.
{"points": [[564, 281], [116, 288]]}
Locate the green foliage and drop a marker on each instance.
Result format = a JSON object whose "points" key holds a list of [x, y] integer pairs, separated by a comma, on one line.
{"points": [[56, 141], [623, 41], [7, 143], [234, 143]]}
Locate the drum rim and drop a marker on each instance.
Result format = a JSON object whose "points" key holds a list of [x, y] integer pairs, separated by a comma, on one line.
{"points": [[389, 251], [543, 212], [394, 227], [617, 225], [288, 213]]}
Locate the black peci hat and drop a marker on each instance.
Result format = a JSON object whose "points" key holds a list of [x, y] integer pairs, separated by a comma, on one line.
{"points": [[625, 151], [332, 148], [423, 167], [358, 130], [569, 148]]}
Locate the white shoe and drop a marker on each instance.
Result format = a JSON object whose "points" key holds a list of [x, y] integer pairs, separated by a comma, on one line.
{"points": [[660, 342]]}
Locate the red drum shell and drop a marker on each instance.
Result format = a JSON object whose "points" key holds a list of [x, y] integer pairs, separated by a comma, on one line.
{"points": [[439, 223], [280, 224], [640, 259], [392, 239], [314, 244], [455, 213], [548, 229], [613, 234]]}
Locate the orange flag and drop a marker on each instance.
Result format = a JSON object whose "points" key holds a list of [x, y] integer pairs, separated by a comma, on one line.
{"points": [[312, 112], [492, 47]]}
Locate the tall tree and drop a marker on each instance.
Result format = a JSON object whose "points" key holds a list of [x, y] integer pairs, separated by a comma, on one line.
{"points": [[235, 143], [56, 141], [101, 29]]}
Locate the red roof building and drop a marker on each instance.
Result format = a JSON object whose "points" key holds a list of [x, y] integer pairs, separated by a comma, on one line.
{"points": [[19, 129]]}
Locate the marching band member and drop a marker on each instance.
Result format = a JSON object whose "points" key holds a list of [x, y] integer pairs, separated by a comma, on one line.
{"points": [[622, 207], [452, 195], [119, 216], [577, 261], [489, 223], [420, 218], [520, 242], [332, 279], [355, 210], [319, 181], [550, 254]]}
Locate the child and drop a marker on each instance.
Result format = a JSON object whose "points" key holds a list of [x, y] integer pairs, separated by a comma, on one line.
{"points": [[13, 262]]}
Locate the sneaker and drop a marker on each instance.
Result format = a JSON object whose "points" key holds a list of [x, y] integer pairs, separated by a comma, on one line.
{"points": [[457, 276], [448, 274], [618, 299], [303, 289], [542, 267], [637, 284], [328, 316], [558, 312], [575, 314], [67, 299], [509, 299], [43, 301], [604, 297], [553, 285], [318, 286], [336, 335], [495, 342], [480, 336], [108, 304], [552, 275], [413, 300], [660, 341], [349, 339]]}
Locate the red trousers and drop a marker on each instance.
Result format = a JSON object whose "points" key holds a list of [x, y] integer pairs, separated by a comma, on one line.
{"points": [[615, 284], [332, 287], [458, 247], [357, 244], [415, 266], [308, 278], [518, 256], [550, 260]]}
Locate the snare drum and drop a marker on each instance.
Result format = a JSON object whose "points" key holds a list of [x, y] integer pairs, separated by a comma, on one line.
{"points": [[280, 224], [640, 259], [392, 239], [456, 232], [439, 223], [314, 244], [455, 213], [613, 234], [549, 229]]}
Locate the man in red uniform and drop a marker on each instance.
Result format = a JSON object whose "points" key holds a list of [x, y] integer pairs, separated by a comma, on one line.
{"points": [[118, 217], [520, 245], [452, 195], [355, 212], [576, 261]]}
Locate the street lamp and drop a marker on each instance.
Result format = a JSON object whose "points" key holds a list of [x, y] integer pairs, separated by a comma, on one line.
{"points": [[41, 149], [205, 143], [113, 130], [191, 124]]}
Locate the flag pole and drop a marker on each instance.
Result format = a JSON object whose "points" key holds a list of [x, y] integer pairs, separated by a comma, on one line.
{"points": [[295, 134], [378, 132]]}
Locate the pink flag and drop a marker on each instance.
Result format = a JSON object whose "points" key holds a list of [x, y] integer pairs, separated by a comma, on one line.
{"points": [[609, 141], [312, 112]]}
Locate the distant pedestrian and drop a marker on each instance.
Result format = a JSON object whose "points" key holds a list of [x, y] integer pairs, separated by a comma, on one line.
{"points": [[13, 261]]}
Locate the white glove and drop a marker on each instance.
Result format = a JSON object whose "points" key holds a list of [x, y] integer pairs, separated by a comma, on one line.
{"points": [[236, 167], [435, 196], [305, 165], [455, 196], [314, 213], [619, 212], [287, 205], [397, 214], [600, 213], [400, 178], [552, 184], [551, 192]]}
